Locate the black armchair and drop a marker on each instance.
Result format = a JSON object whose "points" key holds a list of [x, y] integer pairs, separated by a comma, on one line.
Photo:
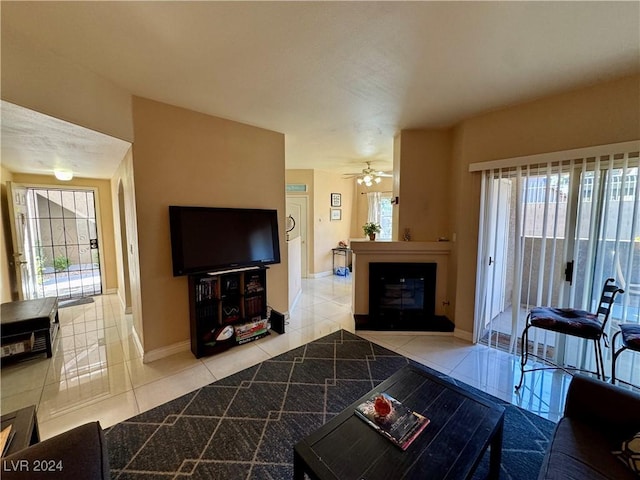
{"points": [[78, 453]]}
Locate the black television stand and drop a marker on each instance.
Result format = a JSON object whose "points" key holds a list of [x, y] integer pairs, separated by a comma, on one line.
{"points": [[227, 308]]}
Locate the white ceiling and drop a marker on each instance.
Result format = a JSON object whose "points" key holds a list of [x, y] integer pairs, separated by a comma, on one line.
{"points": [[36, 143], [339, 79]]}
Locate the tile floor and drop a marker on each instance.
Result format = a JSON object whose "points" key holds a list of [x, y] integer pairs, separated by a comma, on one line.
{"points": [[96, 372]]}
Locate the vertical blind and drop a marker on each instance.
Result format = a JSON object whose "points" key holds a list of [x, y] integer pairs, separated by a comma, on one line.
{"points": [[541, 219]]}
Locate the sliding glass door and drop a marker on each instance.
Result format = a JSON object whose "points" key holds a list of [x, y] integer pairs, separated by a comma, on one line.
{"points": [[551, 233]]}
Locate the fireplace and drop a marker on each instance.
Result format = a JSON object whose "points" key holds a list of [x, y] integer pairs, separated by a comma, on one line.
{"points": [[402, 296]]}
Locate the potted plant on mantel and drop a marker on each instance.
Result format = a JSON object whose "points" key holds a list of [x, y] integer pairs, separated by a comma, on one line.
{"points": [[371, 229]]}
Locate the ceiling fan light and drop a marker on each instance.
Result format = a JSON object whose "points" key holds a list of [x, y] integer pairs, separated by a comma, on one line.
{"points": [[367, 183], [359, 180], [378, 179], [367, 179]]}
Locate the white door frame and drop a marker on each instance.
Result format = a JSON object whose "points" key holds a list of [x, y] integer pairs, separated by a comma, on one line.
{"points": [[303, 202]]}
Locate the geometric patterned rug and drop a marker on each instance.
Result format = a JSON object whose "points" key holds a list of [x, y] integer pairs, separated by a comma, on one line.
{"points": [[245, 426]]}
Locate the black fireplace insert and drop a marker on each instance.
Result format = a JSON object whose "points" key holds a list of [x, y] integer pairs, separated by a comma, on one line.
{"points": [[402, 296]]}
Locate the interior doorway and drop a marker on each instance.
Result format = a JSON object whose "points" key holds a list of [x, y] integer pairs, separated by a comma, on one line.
{"points": [[56, 245]]}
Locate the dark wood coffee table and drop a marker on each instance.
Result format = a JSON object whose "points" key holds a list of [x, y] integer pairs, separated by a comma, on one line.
{"points": [[462, 426]]}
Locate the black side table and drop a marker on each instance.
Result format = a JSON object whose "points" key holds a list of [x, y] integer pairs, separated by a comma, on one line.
{"points": [[341, 252], [25, 425]]}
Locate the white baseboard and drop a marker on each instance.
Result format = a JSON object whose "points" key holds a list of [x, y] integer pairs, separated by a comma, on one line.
{"points": [[138, 343], [163, 352], [127, 310], [463, 334], [328, 273]]}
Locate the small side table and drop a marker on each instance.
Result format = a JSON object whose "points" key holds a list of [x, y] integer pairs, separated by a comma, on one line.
{"points": [[25, 425], [22, 319], [341, 252]]}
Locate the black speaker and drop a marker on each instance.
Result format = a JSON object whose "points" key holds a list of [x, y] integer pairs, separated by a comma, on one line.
{"points": [[277, 321]]}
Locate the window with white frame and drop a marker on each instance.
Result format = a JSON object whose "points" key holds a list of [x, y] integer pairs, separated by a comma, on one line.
{"points": [[381, 212]]}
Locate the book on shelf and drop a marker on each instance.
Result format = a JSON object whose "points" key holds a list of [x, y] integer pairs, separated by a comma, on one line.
{"points": [[250, 329], [206, 289], [392, 419]]}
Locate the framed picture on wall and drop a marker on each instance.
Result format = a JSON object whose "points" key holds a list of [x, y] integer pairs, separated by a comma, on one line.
{"points": [[336, 214], [336, 199]]}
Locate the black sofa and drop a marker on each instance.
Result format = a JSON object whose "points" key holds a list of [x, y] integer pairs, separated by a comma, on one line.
{"points": [[80, 453], [598, 417]]}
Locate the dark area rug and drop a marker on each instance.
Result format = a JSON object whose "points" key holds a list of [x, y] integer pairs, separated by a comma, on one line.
{"points": [[72, 302], [245, 426]]}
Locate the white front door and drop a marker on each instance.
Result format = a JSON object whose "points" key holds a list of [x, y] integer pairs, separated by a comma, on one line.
{"points": [[22, 242]]}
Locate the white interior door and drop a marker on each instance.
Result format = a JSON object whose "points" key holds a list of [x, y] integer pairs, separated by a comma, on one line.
{"points": [[297, 208], [22, 243]]}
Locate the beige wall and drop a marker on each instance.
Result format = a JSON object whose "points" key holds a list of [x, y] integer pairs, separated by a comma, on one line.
{"points": [[7, 275], [602, 114], [424, 184], [181, 157], [37, 78], [328, 233], [105, 214]]}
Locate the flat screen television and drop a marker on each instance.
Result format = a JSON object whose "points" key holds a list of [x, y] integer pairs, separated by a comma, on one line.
{"points": [[209, 239]]}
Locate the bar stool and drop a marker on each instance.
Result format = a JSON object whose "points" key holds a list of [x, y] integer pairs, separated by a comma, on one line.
{"points": [[630, 341], [573, 322]]}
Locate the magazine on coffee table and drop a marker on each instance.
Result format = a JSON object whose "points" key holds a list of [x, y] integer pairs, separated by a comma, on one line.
{"points": [[392, 419]]}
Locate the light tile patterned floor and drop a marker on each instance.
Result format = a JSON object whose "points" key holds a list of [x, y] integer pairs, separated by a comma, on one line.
{"points": [[96, 372]]}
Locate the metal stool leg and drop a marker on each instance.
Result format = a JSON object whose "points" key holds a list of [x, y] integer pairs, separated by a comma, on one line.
{"points": [[599, 360], [524, 352], [614, 357]]}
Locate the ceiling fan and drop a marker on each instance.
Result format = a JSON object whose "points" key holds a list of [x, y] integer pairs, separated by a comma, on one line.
{"points": [[368, 176]]}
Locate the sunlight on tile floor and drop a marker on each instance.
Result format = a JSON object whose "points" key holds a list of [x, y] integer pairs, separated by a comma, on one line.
{"points": [[97, 373]]}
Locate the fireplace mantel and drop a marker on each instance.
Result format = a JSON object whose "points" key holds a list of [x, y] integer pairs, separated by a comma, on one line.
{"points": [[400, 248], [365, 252]]}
